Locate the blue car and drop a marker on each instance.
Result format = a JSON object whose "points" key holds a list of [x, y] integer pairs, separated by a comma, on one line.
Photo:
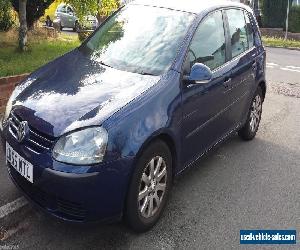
{"points": [[100, 133]]}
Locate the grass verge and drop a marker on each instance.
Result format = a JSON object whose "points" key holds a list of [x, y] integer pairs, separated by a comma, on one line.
{"points": [[279, 42], [41, 50]]}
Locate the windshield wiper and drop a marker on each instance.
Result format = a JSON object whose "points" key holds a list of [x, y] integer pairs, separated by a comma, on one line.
{"points": [[146, 74], [103, 63]]}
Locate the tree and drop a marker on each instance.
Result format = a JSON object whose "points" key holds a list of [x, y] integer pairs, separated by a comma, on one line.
{"points": [[34, 8], [23, 25], [94, 7]]}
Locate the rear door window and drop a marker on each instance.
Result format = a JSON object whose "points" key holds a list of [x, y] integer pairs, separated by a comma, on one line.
{"points": [[238, 31], [250, 32]]}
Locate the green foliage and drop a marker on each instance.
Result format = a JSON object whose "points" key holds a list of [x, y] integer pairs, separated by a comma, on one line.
{"points": [[40, 52], [274, 13], [294, 19], [280, 42], [93, 7], [83, 35], [108, 6], [6, 18], [84, 7], [35, 9]]}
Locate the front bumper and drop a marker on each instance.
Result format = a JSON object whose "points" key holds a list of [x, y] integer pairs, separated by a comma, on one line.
{"points": [[86, 194]]}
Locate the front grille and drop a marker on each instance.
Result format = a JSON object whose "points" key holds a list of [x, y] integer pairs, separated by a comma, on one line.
{"points": [[56, 205], [37, 141]]}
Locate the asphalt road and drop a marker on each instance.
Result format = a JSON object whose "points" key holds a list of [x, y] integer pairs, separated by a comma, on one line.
{"points": [[283, 68], [8, 192], [241, 185]]}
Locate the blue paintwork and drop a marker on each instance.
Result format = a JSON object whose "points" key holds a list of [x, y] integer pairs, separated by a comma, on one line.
{"points": [[73, 92], [200, 73]]}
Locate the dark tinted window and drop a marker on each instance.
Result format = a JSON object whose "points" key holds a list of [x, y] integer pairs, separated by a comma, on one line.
{"points": [[62, 8], [208, 45], [238, 31], [249, 30]]}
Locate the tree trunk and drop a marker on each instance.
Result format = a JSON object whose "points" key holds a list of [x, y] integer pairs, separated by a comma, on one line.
{"points": [[23, 25], [98, 12]]}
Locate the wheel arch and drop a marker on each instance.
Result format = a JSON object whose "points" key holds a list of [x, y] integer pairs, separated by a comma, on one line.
{"points": [[263, 86], [168, 140]]}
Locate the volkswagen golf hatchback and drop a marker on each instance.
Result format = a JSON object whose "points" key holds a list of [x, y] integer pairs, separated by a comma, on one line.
{"points": [[100, 133]]}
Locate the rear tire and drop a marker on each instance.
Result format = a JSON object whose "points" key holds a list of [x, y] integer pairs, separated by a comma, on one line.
{"points": [[248, 132], [149, 188]]}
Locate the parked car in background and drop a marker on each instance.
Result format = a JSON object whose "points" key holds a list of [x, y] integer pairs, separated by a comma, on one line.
{"points": [[65, 17], [101, 132]]}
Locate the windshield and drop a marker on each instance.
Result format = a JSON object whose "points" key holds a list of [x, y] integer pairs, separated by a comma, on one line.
{"points": [[139, 39]]}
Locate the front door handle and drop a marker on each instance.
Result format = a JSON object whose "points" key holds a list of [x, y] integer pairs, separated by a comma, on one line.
{"points": [[227, 81]]}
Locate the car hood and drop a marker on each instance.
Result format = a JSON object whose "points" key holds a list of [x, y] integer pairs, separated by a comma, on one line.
{"points": [[73, 92]]}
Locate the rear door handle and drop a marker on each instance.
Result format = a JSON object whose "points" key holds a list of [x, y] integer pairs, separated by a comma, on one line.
{"points": [[254, 66]]}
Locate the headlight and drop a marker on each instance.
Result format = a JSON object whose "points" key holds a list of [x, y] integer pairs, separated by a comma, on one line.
{"points": [[84, 147]]}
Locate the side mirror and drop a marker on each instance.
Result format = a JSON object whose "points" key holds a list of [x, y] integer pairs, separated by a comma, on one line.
{"points": [[200, 74]]}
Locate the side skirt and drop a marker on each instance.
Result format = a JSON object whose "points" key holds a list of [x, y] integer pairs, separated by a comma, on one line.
{"points": [[219, 142]]}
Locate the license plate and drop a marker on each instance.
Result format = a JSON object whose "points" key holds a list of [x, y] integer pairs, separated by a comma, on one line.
{"points": [[22, 166]]}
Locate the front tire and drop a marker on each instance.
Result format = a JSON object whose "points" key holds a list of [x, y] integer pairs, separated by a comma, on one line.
{"points": [[149, 188], [248, 132]]}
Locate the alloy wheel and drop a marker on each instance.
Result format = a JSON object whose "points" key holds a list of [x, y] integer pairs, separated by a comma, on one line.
{"points": [[255, 113], [152, 187]]}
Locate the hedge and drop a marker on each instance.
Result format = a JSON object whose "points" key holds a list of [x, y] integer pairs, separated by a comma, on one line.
{"points": [[274, 13], [294, 19]]}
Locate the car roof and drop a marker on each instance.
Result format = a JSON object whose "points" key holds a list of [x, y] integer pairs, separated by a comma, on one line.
{"points": [[192, 6]]}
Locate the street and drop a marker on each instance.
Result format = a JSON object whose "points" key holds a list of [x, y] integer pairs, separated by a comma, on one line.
{"points": [[283, 71], [240, 185]]}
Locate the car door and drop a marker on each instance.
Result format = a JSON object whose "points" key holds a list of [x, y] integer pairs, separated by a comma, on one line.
{"points": [[71, 17], [243, 63], [206, 107]]}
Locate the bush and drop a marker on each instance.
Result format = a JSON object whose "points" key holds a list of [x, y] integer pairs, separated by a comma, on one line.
{"points": [[294, 19], [6, 18], [82, 35]]}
